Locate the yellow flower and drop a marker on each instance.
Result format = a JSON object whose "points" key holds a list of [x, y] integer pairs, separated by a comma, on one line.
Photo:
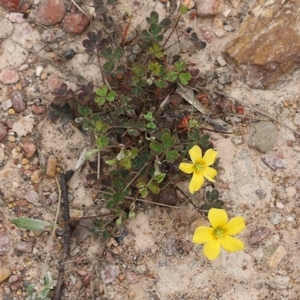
{"points": [[220, 234], [200, 167]]}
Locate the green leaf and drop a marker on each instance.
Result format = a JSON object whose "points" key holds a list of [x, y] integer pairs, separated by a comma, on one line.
{"points": [[185, 78], [110, 204], [161, 83], [99, 126], [102, 141], [87, 124], [149, 116], [144, 192], [214, 195], [109, 66], [102, 91], [155, 29], [146, 34], [157, 148], [140, 183], [159, 177], [84, 111], [125, 163], [156, 68], [118, 53], [172, 155], [119, 183], [204, 141], [90, 153], [32, 224], [100, 100], [153, 187], [162, 132], [165, 23], [180, 65], [170, 76], [151, 125], [153, 17], [111, 96], [138, 91], [194, 134], [118, 197], [218, 204], [107, 53], [168, 140], [205, 207], [139, 71], [111, 162], [183, 9]]}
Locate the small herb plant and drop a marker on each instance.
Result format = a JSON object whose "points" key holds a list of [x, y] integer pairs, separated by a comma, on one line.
{"points": [[140, 137]]}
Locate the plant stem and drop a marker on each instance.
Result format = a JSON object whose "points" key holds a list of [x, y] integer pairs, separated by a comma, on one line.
{"points": [[136, 175]]}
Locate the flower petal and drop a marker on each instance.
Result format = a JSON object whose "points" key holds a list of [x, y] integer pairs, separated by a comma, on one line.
{"points": [[203, 234], [195, 153], [235, 226], [196, 183], [212, 249], [210, 157], [217, 217], [186, 168], [232, 244], [209, 173]]}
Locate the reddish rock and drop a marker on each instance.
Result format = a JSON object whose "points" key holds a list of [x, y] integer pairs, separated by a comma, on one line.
{"points": [[209, 7], [16, 5], [266, 50], [38, 109], [9, 75], [29, 149], [50, 12], [54, 83], [75, 23], [3, 132], [17, 99]]}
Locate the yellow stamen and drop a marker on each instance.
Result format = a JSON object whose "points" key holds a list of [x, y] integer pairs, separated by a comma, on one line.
{"points": [[219, 233], [199, 166]]}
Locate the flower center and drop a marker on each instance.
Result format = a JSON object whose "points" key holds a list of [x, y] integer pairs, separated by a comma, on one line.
{"points": [[199, 166], [219, 232]]}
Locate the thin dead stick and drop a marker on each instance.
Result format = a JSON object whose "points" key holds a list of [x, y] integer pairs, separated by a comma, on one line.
{"points": [[66, 248], [143, 200], [254, 109], [98, 165], [57, 209]]}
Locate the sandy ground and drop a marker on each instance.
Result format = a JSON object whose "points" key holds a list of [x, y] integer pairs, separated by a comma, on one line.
{"points": [[156, 259]]}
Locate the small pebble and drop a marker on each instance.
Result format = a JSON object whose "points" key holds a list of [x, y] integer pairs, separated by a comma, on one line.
{"points": [[24, 67], [280, 205], [277, 257], [258, 235], [275, 218], [24, 161], [131, 294], [36, 176], [6, 104], [51, 166], [24, 247], [38, 71], [11, 138], [11, 111], [4, 273], [44, 76]]}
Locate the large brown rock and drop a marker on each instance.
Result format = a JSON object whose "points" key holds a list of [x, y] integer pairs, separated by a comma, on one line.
{"points": [[268, 45]]}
